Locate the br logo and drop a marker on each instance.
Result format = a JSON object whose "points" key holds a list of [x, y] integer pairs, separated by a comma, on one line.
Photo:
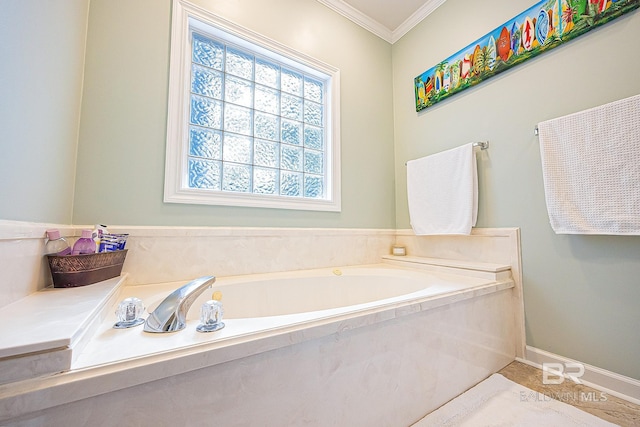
{"points": [[556, 373]]}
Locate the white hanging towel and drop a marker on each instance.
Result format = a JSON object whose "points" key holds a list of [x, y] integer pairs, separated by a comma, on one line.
{"points": [[591, 169], [442, 192]]}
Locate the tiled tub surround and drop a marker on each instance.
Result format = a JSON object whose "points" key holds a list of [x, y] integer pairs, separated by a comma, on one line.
{"points": [[24, 269], [166, 254], [492, 245], [386, 354], [375, 363]]}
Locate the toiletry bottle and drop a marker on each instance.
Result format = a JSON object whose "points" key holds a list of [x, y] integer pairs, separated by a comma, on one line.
{"points": [[84, 245], [56, 245]]}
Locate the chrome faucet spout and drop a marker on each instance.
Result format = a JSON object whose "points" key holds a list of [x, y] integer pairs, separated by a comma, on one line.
{"points": [[171, 314]]}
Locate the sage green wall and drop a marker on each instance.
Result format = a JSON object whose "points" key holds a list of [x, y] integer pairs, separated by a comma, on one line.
{"points": [[581, 292], [120, 173], [41, 64]]}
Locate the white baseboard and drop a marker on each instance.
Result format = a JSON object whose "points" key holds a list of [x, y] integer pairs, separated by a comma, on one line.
{"points": [[609, 382]]}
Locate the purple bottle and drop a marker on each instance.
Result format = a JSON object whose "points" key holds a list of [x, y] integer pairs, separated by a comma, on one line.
{"points": [[84, 245]]}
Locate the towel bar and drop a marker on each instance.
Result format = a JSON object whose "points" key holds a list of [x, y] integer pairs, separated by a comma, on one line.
{"points": [[483, 145]]}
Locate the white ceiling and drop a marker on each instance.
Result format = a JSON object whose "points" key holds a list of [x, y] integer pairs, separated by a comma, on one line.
{"points": [[388, 19]]}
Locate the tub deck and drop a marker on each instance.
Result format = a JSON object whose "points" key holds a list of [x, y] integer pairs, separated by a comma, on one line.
{"points": [[81, 343], [134, 343]]}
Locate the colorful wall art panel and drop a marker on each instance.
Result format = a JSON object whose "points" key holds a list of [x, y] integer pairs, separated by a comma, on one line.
{"points": [[543, 26]]}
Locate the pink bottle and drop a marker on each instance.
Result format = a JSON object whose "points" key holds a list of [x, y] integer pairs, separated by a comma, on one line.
{"points": [[84, 245], [56, 245]]}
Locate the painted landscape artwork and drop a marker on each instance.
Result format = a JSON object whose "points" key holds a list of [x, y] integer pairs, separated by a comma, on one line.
{"points": [[543, 26]]}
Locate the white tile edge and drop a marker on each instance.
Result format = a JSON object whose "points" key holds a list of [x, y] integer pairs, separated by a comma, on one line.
{"points": [[442, 262], [169, 231], [617, 385], [13, 230], [475, 232], [81, 336], [10, 230], [29, 230]]}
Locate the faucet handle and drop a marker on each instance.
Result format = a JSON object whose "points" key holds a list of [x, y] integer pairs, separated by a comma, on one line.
{"points": [[211, 316], [129, 313]]}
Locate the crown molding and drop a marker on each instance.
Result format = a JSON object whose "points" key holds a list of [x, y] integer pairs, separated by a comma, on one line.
{"points": [[377, 28], [359, 18], [418, 16]]}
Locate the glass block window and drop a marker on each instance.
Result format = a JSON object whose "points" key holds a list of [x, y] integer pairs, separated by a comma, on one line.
{"points": [[250, 122], [256, 125]]}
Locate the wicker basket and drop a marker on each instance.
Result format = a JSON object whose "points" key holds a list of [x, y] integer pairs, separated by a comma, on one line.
{"points": [[70, 271]]}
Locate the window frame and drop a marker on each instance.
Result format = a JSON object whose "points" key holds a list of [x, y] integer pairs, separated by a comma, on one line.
{"points": [[185, 16]]}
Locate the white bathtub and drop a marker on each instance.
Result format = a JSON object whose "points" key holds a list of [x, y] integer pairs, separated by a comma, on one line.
{"points": [[277, 294], [259, 304], [372, 345]]}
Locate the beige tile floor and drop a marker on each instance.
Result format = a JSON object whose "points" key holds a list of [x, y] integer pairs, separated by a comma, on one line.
{"points": [[603, 405]]}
